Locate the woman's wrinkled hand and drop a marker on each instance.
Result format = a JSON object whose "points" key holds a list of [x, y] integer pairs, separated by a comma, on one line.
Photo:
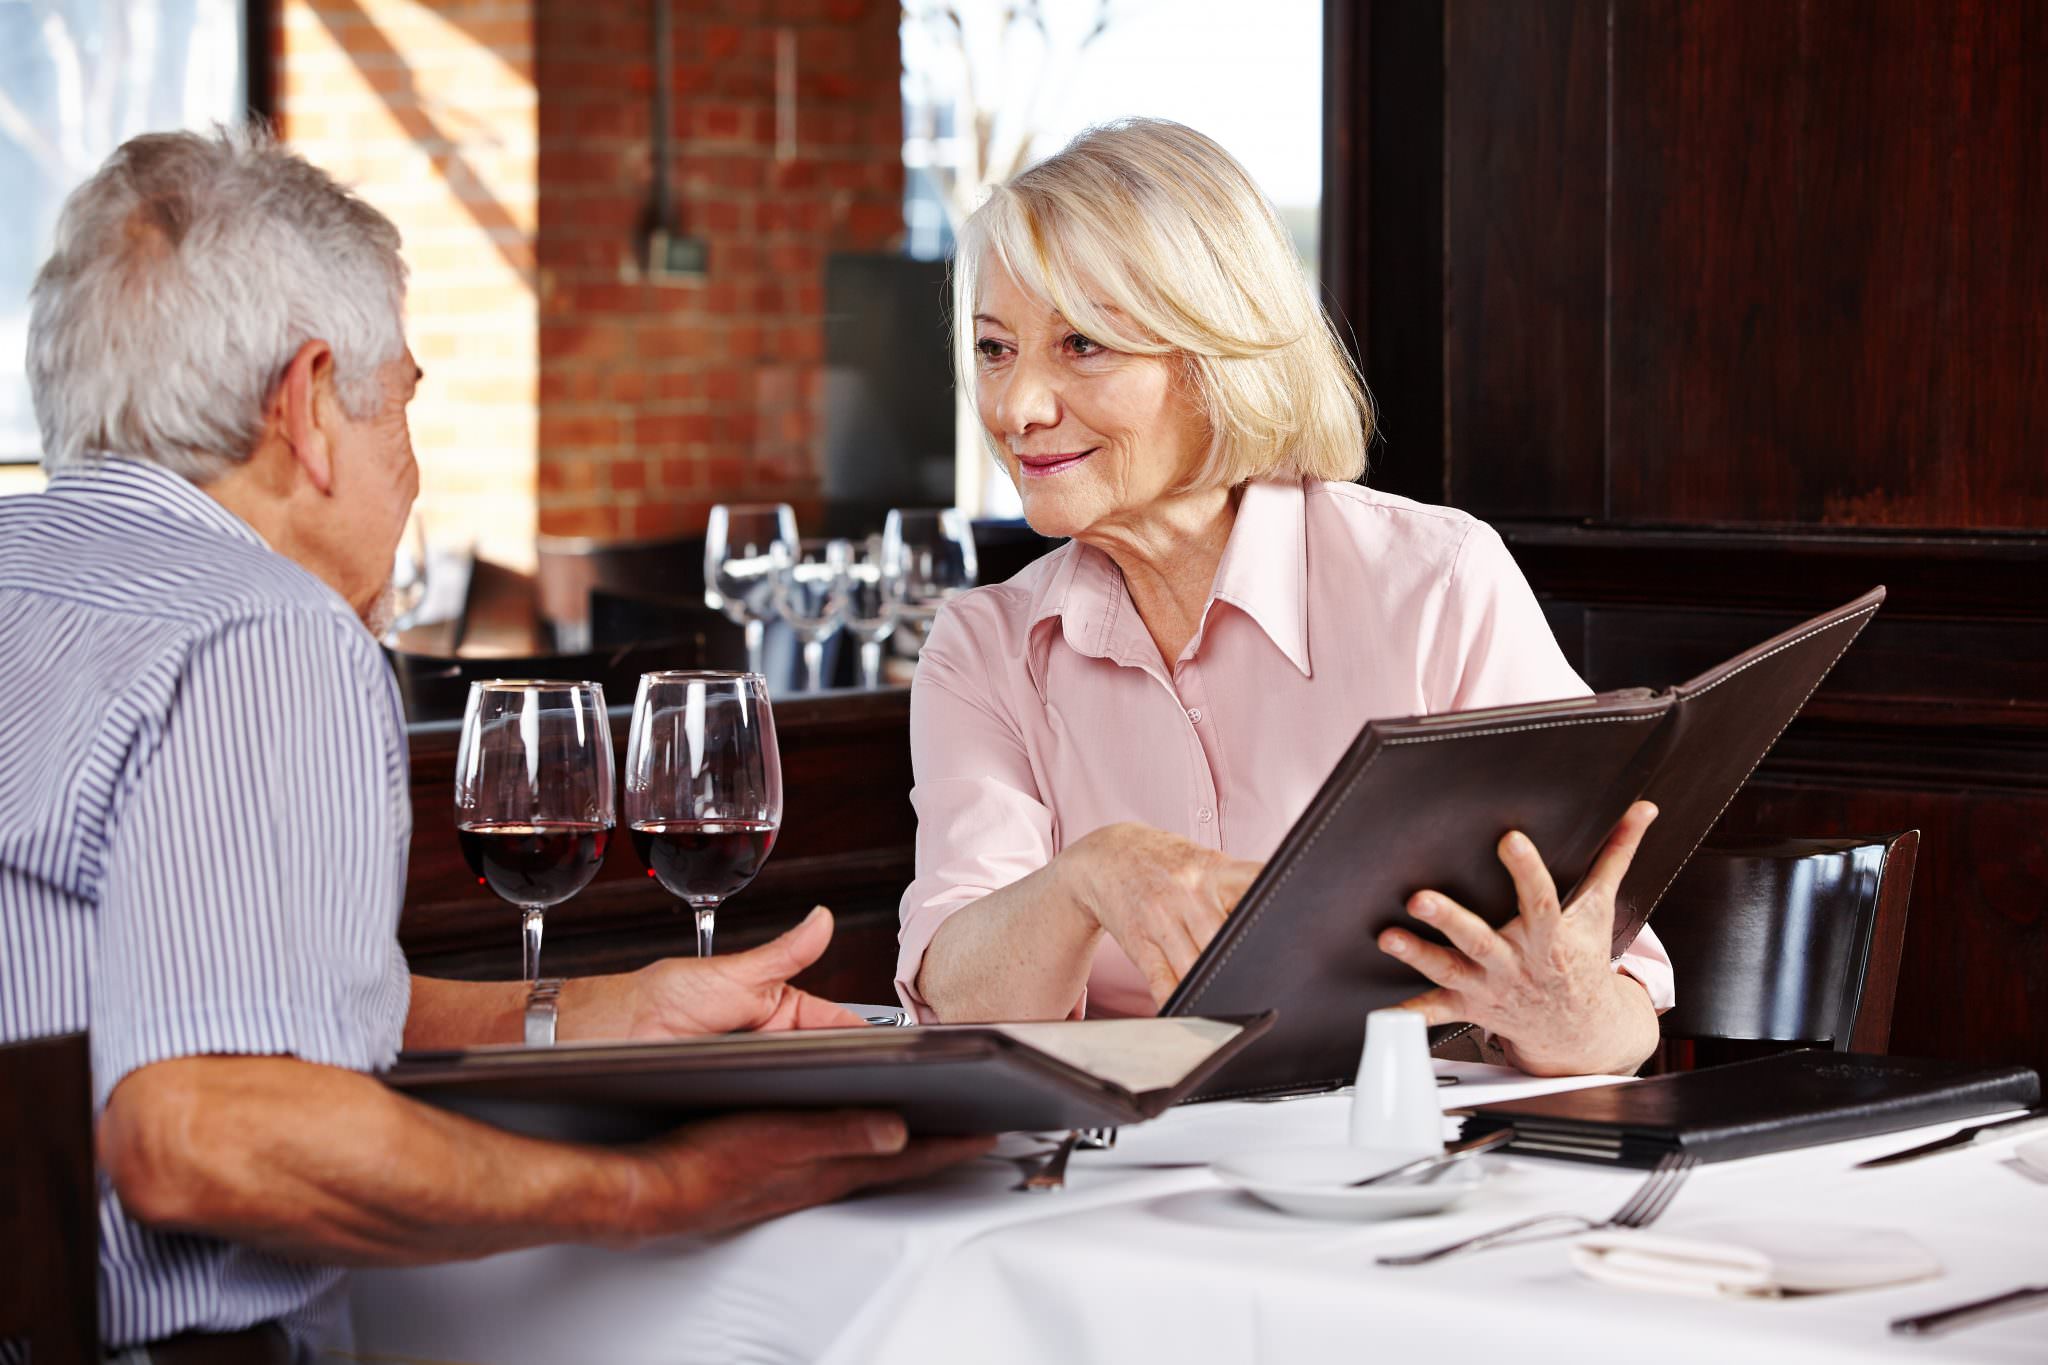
{"points": [[1160, 896], [1542, 983]]}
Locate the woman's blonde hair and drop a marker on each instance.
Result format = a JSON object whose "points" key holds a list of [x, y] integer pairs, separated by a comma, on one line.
{"points": [[1151, 239]]}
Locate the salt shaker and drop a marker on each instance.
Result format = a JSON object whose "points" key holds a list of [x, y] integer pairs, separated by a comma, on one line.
{"points": [[1395, 1106]]}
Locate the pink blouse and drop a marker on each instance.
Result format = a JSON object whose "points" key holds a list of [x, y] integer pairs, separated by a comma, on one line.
{"points": [[1042, 710]]}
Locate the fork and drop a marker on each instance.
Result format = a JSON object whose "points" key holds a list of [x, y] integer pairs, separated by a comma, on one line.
{"points": [[1643, 1208], [1053, 1174]]}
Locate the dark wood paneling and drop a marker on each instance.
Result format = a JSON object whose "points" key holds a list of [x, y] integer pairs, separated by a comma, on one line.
{"points": [[1822, 300], [847, 841], [1396, 267], [1830, 278], [1525, 181]]}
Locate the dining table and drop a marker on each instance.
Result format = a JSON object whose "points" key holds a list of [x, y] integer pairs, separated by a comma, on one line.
{"points": [[1146, 1254]]}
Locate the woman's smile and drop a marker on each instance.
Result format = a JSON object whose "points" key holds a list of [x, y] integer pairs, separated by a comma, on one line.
{"points": [[1048, 463]]}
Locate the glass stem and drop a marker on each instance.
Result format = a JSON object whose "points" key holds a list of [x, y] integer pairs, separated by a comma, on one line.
{"points": [[870, 664], [530, 917], [814, 665], [757, 639], [707, 916]]}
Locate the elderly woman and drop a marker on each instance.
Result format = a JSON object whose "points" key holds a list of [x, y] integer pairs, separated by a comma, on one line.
{"points": [[1107, 744]]}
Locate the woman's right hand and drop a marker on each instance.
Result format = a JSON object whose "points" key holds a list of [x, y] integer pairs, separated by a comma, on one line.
{"points": [[1161, 897]]}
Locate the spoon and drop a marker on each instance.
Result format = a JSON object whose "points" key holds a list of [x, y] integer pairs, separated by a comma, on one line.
{"points": [[1430, 1166]]}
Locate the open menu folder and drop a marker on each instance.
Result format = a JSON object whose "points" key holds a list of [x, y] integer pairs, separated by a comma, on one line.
{"points": [[966, 1078], [1422, 802]]}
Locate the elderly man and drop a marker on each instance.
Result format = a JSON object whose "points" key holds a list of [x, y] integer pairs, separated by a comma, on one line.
{"points": [[203, 799]]}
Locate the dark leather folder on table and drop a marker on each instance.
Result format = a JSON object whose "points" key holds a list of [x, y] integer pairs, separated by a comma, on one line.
{"points": [[941, 1079], [1422, 802], [1770, 1104]]}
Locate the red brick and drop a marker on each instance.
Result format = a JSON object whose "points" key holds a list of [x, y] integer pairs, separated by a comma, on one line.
{"points": [[629, 476], [571, 429]]}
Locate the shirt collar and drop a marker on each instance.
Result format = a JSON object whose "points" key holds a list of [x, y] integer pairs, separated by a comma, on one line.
{"points": [[1263, 573], [139, 483]]}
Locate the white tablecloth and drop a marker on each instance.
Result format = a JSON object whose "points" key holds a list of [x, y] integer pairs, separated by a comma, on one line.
{"points": [[1132, 1263]]}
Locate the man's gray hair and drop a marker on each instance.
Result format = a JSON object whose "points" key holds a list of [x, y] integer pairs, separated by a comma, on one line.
{"points": [[188, 271]]}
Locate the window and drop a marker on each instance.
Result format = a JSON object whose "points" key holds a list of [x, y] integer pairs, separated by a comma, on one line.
{"points": [[77, 78]]}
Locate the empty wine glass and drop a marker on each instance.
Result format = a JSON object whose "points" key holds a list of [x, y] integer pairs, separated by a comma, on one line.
{"points": [[703, 785], [739, 566], [408, 586], [810, 594], [873, 593], [533, 794], [932, 553]]}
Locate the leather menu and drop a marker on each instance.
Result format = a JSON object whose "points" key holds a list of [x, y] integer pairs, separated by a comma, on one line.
{"points": [[1421, 803], [943, 1079], [1770, 1104]]}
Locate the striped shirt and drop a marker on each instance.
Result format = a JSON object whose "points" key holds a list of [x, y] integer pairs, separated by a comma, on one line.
{"points": [[204, 817]]}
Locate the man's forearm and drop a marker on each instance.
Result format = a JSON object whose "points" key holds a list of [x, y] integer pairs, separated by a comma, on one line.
{"points": [[452, 1014], [328, 1165]]}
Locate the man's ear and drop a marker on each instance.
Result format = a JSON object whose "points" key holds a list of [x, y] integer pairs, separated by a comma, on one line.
{"points": [[303, 410]]}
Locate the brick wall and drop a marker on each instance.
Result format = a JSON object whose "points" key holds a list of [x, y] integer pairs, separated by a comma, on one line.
{"points": [[430, 111], [509, 139], [661, 397]]}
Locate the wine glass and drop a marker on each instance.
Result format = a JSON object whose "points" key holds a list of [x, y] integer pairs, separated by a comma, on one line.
{"points": [[810, 594], [533, 794], [408, 585], [873, 593], [703, 785], [739, 577], [932, 554]]}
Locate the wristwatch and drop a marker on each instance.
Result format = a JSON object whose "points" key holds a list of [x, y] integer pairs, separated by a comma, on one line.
{"points": [[540, 1011]]}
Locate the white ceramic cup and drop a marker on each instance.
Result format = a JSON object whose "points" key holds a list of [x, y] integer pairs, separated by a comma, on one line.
{"points": [[1396, 1107]]}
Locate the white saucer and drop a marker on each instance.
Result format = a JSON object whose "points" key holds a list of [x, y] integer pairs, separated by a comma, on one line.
{"points": [[1312, 1181]]}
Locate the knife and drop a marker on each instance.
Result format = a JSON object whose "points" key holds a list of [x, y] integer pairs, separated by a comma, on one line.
{"points": [[2012, 1127], [2016, 1301]]}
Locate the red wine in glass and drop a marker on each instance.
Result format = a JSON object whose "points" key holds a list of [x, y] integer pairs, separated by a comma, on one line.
{"points": [[534, 863], [703, 786], [533, 794], [703, 859]]}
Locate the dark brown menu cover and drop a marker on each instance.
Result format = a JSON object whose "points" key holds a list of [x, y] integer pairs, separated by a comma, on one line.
{"points": [[943, 1079], [1771, 1104], [1421, 802]]}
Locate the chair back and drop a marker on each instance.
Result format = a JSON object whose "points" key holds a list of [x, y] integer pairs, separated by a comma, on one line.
{"points": [[49, 1201], [1794, 941]]}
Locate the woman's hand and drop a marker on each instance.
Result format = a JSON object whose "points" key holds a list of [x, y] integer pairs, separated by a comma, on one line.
{"points": [[1161, 897], [730, 993], [1542, 984]]}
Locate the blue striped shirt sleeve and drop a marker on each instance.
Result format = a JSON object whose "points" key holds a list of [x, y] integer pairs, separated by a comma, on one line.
{"points": [[249, 894]]}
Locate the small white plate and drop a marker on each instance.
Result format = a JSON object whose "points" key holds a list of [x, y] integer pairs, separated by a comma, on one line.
{"points": [[2033, 1155], [1313, 1181]]}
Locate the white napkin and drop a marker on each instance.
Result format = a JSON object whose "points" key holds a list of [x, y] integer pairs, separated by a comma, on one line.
{"points": [[1754, 1259]]}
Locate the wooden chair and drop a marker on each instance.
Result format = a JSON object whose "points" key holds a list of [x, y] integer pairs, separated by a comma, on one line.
{"points": [[49, 1201], [1793, 942]]}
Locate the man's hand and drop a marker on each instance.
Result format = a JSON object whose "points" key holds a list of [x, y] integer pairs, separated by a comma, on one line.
{"points": [[732, 993], [1542, 983], [729, 1172], [1161, 897]]}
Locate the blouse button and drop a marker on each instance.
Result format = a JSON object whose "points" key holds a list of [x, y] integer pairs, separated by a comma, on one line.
{"points": [[1205, 815], [1194, 715]]}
